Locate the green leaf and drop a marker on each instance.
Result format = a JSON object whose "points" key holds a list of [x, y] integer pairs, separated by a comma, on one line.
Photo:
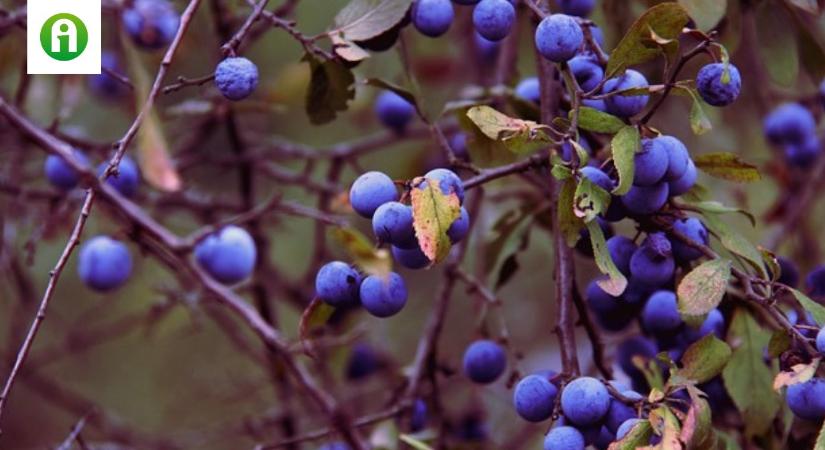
{"points": [[702, 289], [624, 146], [699, 121], [714, 207], [592, 119], [735, 242], [433, 213], [705, 13], [590, 200], [331, 87], [666, 20], [518, 135], [484, 152], [777, 45], [316, 314], [811, 52], [637, 437], [704, 359], [364, 19], [616, 282], [747, 379], [414, 443], [666, 424], [697, 431], [780, 342], [727, 166], [816, 310], [508, 234], [348, 50], [153, 153], [569, 224], [385, 436], [374, 261]]}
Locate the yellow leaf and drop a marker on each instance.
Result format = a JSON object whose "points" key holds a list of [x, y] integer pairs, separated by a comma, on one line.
{"points": [[433, 213]]}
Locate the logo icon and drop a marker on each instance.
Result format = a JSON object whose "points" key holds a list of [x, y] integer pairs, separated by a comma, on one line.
{"points": [[64, 37]]}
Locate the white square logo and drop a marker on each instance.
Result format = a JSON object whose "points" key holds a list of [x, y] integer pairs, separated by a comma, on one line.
{"points": [[63, 36]]}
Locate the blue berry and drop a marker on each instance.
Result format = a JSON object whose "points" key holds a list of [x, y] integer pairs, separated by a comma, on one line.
{"points": [[619, 411], [635, 347], [790, 273], [484, 361], [807, 400], [459, 229], [228, 255], [486, 49], [472, 428], [383, 297], [686, 182], [534, 398], [528, 90], [393, 223], [693, 229], [661, 313], [815, 281], [651, 162], [713, 89], [790, 123], [371, 190], [558, 37], [236, 78], [337, 284], [677, 157], [458, 144], [597, 436], [714, 324], [598, 35], [587, 72], [363, 361], [598, 177], [820, 341], [493, 19], [645, 200], [625, 105], [104, 263], [585, 401], [804, 154], [394, 111], [466, 2], [152, 24], [412, 258], [625, 427], [612, 313], [127, 179], [105, 85], [652, 264], [432, 17], [564, 438], [581, 8], [60, 174], [335, 446], [418, 417], [621, 249], [448, 181], [595, 104]]}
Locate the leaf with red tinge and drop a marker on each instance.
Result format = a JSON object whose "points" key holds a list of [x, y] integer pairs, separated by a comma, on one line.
{"points": [[799, 373], [314, 316], [697, 431], [664, 20], [616, 282], [433, 213], [702, 289], [156, 165]]}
